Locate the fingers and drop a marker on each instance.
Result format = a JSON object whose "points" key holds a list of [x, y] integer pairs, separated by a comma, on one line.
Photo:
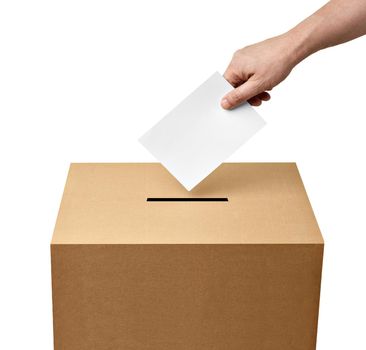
{"points": [[257, 100], [264, 96], [232, 78], [249, 90]]}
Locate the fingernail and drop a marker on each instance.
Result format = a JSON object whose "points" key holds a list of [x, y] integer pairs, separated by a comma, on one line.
{"points": [[225, 103]]}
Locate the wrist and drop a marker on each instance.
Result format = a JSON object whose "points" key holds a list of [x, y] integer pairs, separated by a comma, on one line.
{"points": [[299, 45]]}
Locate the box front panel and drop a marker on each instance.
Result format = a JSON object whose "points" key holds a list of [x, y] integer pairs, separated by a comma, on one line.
{"points": [[214, 297]]}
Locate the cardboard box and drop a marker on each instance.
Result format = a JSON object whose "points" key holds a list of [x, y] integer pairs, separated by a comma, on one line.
{"points": [[193, 273]]}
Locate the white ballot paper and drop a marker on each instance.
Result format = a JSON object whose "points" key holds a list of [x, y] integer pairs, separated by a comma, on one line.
{"points": [[198, 135]]}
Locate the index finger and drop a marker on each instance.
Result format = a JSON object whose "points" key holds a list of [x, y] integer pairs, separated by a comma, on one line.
{"points": [[232, 78]]}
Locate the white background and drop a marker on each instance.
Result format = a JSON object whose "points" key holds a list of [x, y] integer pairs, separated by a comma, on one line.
{"points": [[80, 81]]}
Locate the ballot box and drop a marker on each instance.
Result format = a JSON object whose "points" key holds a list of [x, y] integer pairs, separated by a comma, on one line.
{"points": [[138, 262]]}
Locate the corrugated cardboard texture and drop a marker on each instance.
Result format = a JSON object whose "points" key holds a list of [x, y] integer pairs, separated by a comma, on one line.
{"points": [[136, 275], [106, 204]]}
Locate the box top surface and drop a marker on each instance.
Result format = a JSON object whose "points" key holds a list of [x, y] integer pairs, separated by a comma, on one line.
{"points": [[107, 204]]}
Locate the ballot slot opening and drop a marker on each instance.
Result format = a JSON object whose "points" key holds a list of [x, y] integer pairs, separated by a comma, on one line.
{"points": [[185, 199]]}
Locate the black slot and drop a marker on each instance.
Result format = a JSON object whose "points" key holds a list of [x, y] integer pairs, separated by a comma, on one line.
{"points": [[197, 199]]}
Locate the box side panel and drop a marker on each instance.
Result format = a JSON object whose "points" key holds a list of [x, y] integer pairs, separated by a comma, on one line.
{"points": [[212, 297], [69, 316]]}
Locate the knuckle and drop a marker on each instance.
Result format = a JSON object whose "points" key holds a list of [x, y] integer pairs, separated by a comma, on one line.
{"points": [[237, 54]]}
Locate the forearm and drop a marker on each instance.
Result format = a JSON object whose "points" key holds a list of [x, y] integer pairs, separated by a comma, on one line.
{"points": [[258, 68], [335, 23]]}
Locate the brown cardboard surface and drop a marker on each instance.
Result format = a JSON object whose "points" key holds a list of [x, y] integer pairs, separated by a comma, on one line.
{"points": [[106, 204], [136, 275], [203, 297]]}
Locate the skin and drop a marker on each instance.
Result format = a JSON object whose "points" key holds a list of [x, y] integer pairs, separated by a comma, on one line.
{"points": [[256, 69]]}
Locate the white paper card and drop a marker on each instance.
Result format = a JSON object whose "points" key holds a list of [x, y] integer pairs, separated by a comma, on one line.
{"points": [[198, 135]]}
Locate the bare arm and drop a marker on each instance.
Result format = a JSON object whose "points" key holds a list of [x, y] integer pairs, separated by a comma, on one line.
{"points": [[260, 67]]}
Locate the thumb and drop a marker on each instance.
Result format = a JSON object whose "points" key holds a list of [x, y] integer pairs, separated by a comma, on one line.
{"points": [[241, 94]]}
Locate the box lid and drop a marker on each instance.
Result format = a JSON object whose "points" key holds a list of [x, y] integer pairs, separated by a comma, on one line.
{"points": [[107, 204]]}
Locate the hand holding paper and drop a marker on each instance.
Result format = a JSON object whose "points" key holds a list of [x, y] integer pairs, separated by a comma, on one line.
{"points": [[198, 135]]}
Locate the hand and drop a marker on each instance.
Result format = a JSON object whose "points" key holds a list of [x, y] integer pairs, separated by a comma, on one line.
{"points": [[256, 69]]}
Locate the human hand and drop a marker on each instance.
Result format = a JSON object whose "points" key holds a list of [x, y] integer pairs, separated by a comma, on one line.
{"points": [[257, 68]]}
